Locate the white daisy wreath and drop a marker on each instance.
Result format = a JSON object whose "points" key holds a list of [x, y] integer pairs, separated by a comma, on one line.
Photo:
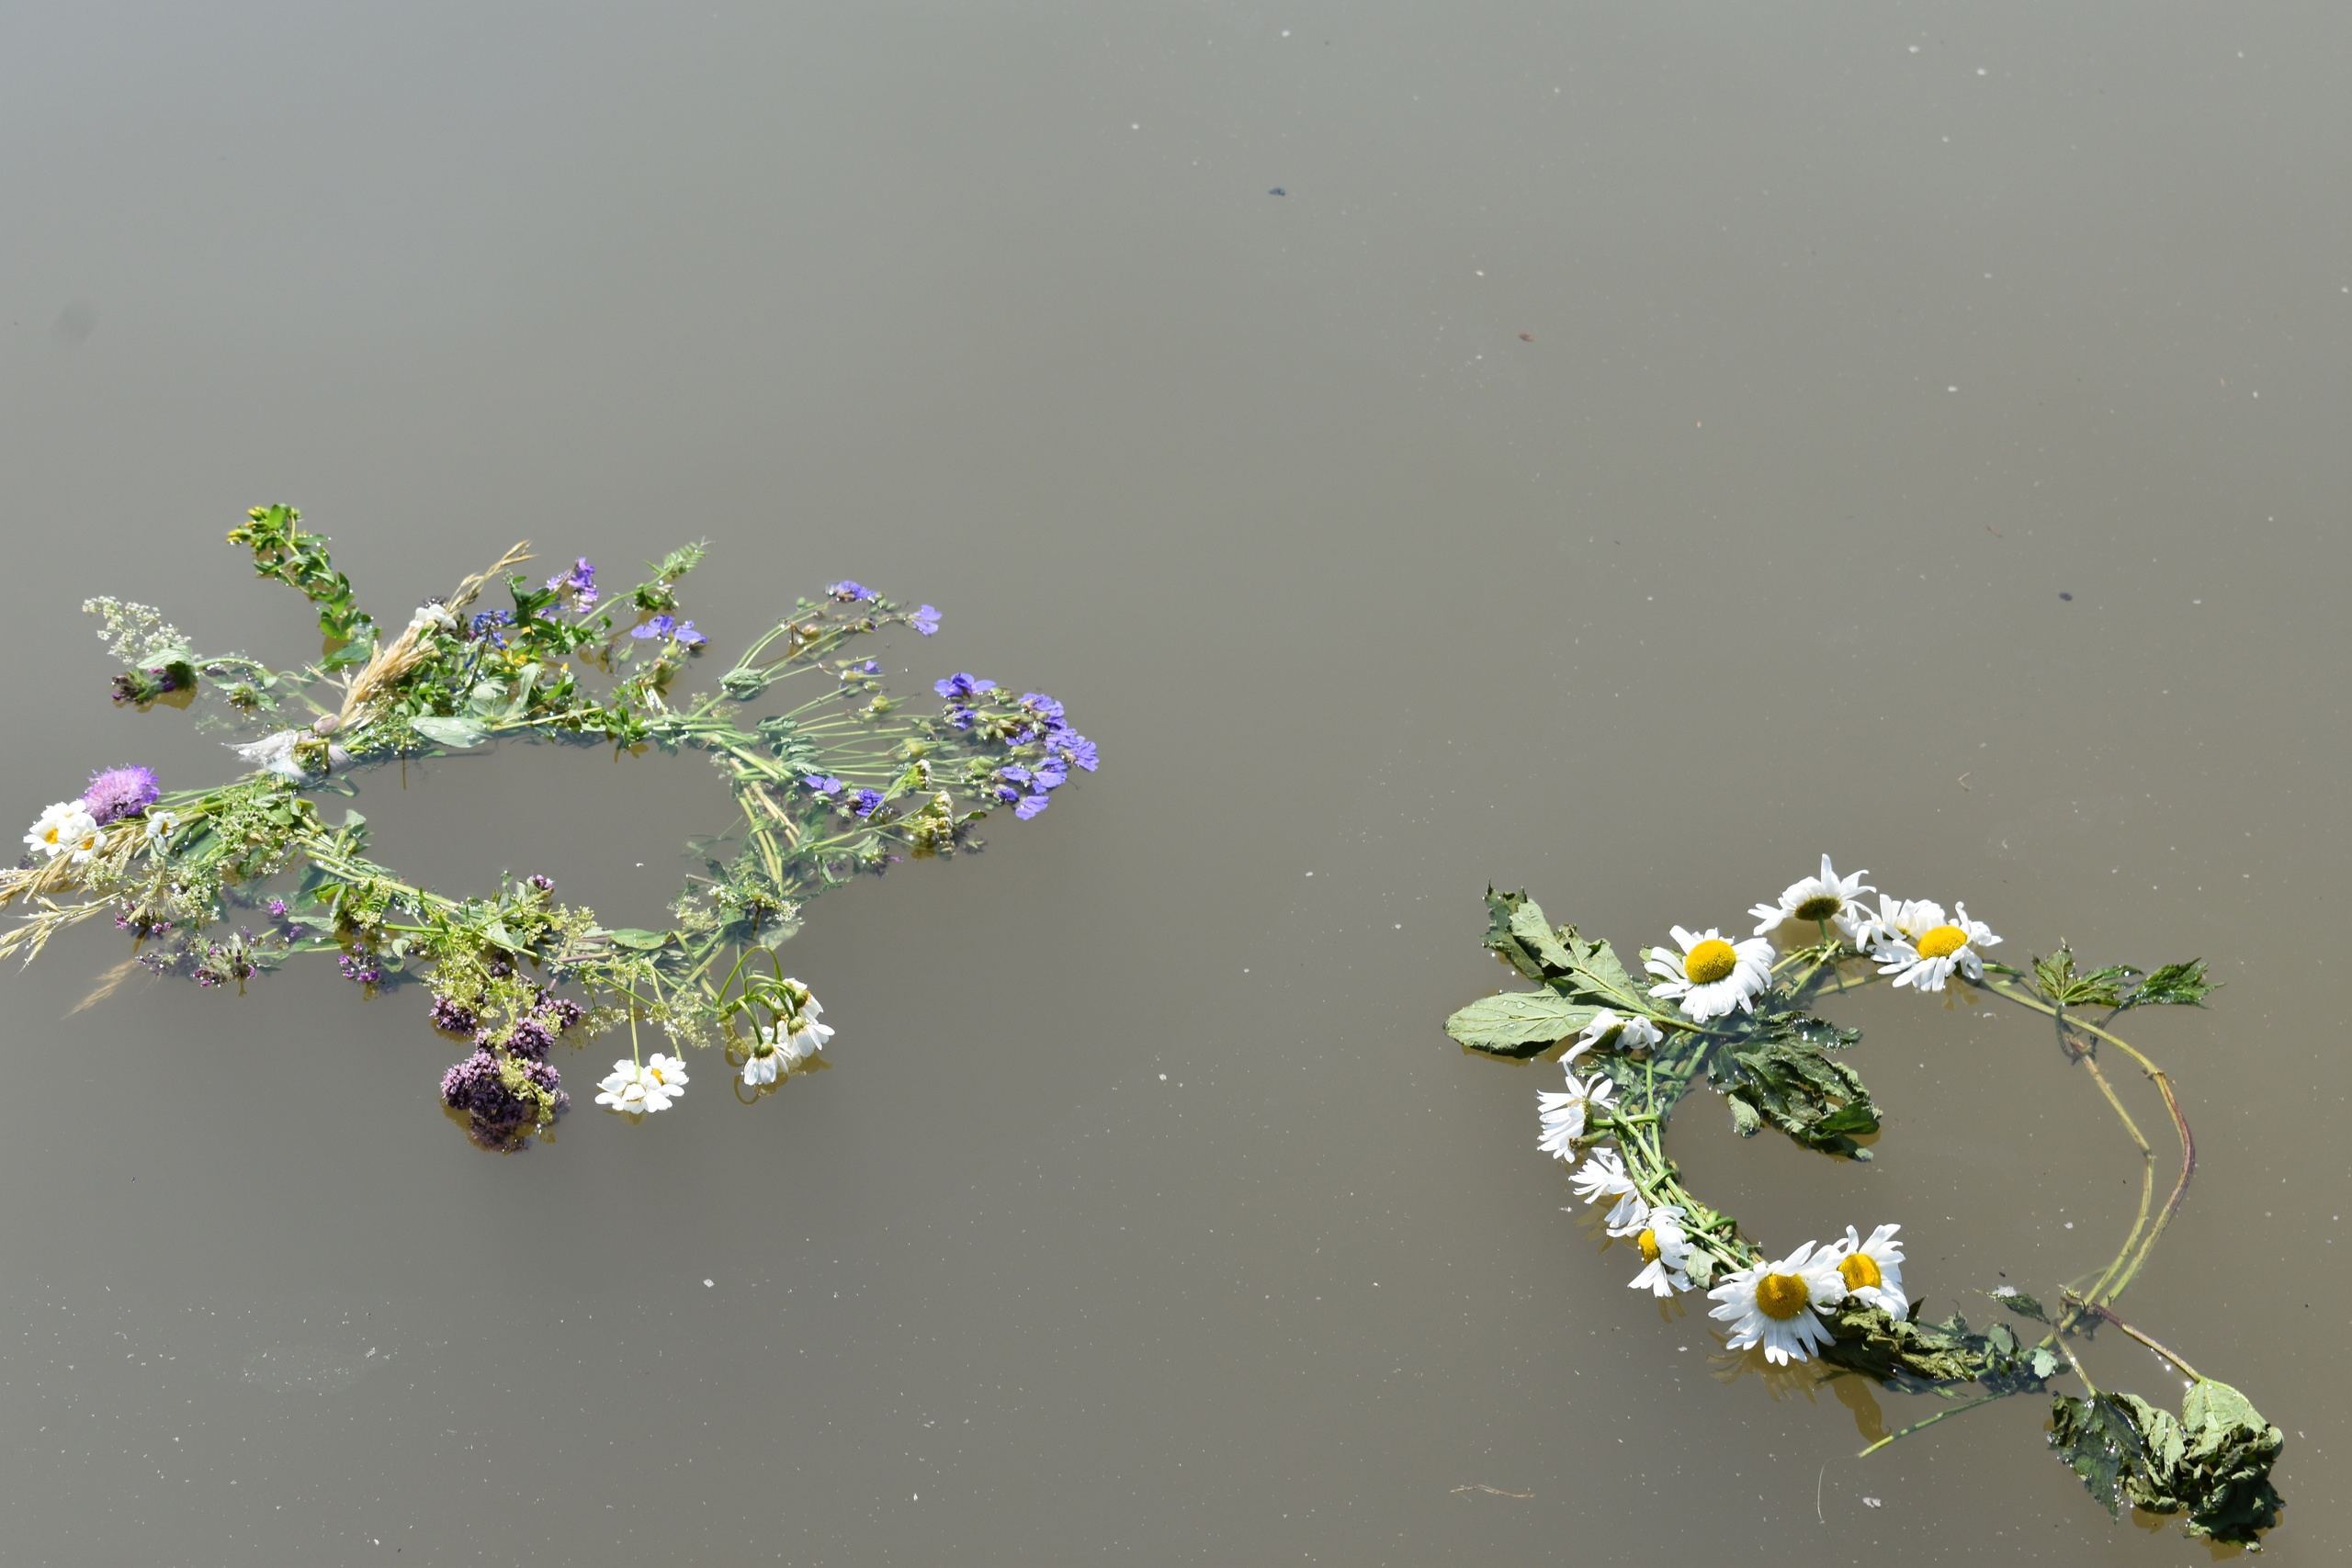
{"points": [[1734, 1011]]}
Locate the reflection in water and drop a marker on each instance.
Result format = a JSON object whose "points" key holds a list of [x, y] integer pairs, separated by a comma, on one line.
{"points": [[303, 1369]]}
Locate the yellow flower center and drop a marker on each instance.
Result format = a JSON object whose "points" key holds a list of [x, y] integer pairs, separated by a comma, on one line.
{"points": [[1860, 1271], [1647, 1242], [1781, 1296], [1943, 941], [1820, 906], [1709, 962]]}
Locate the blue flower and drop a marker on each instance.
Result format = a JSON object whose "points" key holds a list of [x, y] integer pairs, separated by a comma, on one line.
{"points": [[1043, 705], [1017, 775], [925, 620], [867, 799], [1032, 805], [581, 581], [687, 636], [849, 589], [868, 667], [1078, 748], [1052, 774], [821, 783], [486, 623], [660, 626], [962, 685], [1006, 793], [962, 718]]}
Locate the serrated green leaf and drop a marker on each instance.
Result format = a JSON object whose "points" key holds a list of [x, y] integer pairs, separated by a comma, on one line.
{"points": [[2174, 985], [1518, 1023], [455, 732], [1527, 924], [1502, 913]]}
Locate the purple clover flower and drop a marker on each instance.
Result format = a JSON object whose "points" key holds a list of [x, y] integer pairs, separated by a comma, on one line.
{"points": [[278, 908], [962, 685], [849, 590], [822, 785], [497, 1118], [116, 792], [361, 971], [447, 1015], [1031, 804], [925, 620], [580, 582], [865, 802], [530, 1038]]}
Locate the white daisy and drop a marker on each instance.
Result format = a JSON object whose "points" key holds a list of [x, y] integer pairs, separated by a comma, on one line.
{"points": [[761, 1061], [1563, 1115], [1774, 1304], [161, 825], [1608, 1032], [1873, 1270], [633, 1090], [1817, 900], [809, 1038], [1629, 1214], [1914, 943], [1602, 1175], [1712, 975], [1664, 1250], [62, 828]]}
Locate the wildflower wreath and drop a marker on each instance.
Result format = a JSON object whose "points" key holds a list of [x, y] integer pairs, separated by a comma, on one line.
{"points": [[844, 781], [1739, 1012]]}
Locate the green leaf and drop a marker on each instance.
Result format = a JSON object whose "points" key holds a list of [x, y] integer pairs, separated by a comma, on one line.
{"points": [[497, 935], [2020, 1303], [1502, 938], [1790, 1083], [1527, 924], [631, 937], [2045, 1362], [1518, 1023], [2097, 1440], [2174, 985], [456, 732], [2100, 988]]}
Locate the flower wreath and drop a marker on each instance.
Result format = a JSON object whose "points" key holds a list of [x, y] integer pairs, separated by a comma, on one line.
{"points": [[844, 781], [1741, 1013]]}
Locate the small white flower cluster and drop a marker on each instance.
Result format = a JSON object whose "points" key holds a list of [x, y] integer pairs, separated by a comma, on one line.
{"points": [[639, 1090], [66, 829], [780, 1050]]}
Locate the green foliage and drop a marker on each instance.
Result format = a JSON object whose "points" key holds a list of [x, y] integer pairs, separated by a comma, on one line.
{"points": [[2119, 985], [283, 551], [1786, 1081], [2174, 985], [1518, 1023], [2022, 1304], [2212, 1462], [1908, 1353]]}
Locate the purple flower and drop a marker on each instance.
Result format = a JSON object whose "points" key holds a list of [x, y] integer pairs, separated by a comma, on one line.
{"points": [[962, 718], [486, 625], [670, 626], [866, 801], [1031, 804], [530, 1037], [121, 792], [1078, 748], [822, 785], [849, 590], [1052, 774], [1045, 707], [498, 1118], [361, 970], [1017, 775], [960, 685], [539, 884], [561, 1012], [447, 1015], [580, 582], [925, 620], [278, 908], [870, 667]]}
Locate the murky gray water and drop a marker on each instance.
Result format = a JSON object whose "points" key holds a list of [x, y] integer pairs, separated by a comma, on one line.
{"points": [[1635, 453]]}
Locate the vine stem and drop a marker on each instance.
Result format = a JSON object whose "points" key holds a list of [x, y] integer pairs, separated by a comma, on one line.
{"points": [[2113, 1284], [1929, 1422], [2172, 1356]]}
